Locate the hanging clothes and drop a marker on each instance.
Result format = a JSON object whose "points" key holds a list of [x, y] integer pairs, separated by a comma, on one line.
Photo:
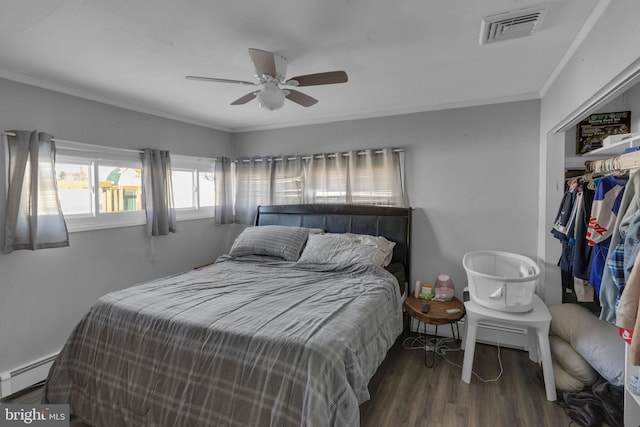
{"points": [[631, 249], [629, 205], [563, 229], [621, 260], [604, 211], [627, 311], [582, 251], [565, 212]]}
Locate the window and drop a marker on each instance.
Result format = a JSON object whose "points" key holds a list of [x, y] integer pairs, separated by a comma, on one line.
{"points": [[98, 191], [193, 187], [74, 187], [183, 188], [120, 188], [101, 187], [207, 187], [370, 177]]}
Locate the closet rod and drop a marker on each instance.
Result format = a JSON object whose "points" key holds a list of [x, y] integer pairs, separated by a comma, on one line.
{"points": [[624, 162], [317, 156]]}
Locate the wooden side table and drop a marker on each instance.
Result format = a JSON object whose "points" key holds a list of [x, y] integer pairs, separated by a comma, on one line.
{"points": [[437, 315]]}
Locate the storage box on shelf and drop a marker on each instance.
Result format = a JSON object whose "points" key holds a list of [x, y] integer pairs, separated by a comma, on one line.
{"points": [[615, 148], [614, 139]]}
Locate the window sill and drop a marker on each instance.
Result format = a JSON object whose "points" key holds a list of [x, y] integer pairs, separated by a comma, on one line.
{"points": [[189, 214], [77, 225]]}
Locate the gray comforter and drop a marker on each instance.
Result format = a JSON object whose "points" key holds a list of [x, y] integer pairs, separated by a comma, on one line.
{"points": [[244, 342]]}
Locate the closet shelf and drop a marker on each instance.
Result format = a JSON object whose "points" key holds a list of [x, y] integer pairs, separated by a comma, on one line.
{"points": [[615, 148], [629, 161]]}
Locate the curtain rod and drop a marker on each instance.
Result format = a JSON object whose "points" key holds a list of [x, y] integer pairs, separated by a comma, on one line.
{"points": [[127, 150], [317, 156], [82, 146]]}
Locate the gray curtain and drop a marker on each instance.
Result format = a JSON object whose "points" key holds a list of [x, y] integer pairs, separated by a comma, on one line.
{"points": [[224, 191], [33, 218], [260, 181], [157, 192], [374, 177], [287, 181], [366, 177], [327, 179], [253, 188]]}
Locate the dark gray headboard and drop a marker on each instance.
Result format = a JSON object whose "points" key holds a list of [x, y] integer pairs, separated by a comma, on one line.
{"points": [[391, 223]]}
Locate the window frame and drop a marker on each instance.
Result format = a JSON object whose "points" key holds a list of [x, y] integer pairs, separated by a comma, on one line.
{"points": [[95, 155], [194, 188], [97, 220], [96, 181], [197, 165]]}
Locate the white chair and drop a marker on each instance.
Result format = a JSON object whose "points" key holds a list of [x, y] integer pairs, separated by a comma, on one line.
{"points": [[537, 323]]}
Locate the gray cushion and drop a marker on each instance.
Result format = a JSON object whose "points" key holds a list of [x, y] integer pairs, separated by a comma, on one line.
{"points": [[271, 240]]}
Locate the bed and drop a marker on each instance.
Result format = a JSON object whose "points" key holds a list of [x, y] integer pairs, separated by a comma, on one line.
{"points": [[262, 337]]}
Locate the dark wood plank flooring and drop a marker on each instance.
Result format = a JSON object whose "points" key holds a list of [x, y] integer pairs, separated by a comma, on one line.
{"points": [[406, 393]]}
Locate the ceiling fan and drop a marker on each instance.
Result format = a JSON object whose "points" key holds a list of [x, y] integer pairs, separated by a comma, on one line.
{"points": [[271, 70]]}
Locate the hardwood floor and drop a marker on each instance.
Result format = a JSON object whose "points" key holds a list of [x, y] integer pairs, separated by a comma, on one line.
{"points": [[406, 393]]}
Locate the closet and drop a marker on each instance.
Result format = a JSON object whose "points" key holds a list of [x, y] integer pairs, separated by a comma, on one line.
{"points": [[613, 160]]}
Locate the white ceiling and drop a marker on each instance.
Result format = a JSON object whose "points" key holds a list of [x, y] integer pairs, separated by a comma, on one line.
{"points": [[401, 55]]}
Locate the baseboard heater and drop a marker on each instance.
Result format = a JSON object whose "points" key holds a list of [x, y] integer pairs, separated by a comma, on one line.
{"points": [[505, 336], [25, 376]]}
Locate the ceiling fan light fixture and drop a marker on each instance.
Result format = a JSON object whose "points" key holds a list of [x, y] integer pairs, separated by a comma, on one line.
{"points": [[271, 70], [271, 96]]}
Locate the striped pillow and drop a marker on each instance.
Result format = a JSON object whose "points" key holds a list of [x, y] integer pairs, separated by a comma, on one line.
{"points": [[271, 240]]}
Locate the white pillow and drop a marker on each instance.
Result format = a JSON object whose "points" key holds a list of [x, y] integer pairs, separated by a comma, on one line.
{"points": [[564, 381], [572, 372], [347, 249], [595, 340], [379, 242]]}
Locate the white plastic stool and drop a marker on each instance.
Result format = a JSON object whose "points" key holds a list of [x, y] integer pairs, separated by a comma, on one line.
{"points": [[536, 321]]}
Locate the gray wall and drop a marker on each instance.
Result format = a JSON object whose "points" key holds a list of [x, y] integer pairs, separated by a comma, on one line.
{"points": [[471, 175], [44, 293]]}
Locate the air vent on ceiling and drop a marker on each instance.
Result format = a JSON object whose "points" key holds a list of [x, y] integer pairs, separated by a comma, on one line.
{"points": [[510, 25]]}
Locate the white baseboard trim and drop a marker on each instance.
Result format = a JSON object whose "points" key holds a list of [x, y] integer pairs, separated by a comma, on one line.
{"points": [[25, 376]]}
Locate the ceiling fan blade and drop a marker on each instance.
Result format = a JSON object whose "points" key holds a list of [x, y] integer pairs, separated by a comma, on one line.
{"points": [[328, 78], [300, 98], [263, 61], [213, 79], [244, 99]]}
